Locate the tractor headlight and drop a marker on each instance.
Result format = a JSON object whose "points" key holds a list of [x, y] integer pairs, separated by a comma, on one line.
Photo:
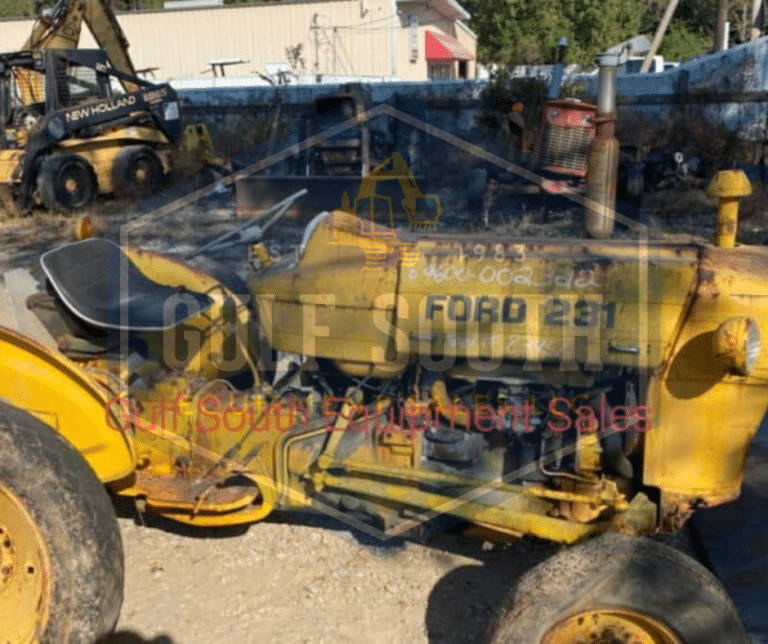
{"points": [[737, 344]]}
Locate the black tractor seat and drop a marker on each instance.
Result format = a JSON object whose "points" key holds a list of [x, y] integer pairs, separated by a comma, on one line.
{"points": [[88, 277]]}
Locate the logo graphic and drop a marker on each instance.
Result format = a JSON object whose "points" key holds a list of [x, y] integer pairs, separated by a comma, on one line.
{"points": [[374, 207]]}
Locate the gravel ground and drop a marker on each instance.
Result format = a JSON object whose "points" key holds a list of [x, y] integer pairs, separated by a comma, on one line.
{"points": [[284, 581]]}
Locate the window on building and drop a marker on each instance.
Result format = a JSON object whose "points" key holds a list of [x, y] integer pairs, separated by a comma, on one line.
{"points": [[440, 71], [462, 69]]}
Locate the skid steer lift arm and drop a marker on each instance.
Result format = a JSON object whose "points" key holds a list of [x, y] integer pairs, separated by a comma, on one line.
{"points": [[60, 29]]}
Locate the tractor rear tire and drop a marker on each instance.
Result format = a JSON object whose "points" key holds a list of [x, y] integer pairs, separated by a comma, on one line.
{"points": [[137, 173], [617, 588], [66, 183], [61, 554]]}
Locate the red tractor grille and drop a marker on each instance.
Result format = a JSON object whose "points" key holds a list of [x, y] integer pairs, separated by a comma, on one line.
{"points": [[567, 130]]}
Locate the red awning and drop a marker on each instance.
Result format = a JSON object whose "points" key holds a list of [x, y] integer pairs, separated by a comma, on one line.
{"points": [[442, 47]]}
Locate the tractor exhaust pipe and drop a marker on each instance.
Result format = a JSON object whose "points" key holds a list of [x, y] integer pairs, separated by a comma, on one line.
{"points": [[556, 82], [603, 160]]}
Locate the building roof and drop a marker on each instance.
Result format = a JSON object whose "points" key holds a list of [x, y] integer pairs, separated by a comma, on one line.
{"points": [[449, 8]]}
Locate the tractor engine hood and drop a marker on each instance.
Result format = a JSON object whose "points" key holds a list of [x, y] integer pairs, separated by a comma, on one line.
{"points": [[371, 299]]}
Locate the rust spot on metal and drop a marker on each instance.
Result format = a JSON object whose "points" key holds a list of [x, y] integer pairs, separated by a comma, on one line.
{"points": [[165, 489], [676, 509]]}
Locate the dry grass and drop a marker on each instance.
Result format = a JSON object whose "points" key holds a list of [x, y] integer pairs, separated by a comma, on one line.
{"points": [[679, 203]]}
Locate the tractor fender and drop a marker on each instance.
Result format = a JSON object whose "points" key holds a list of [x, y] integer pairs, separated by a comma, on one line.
{"points": [[71, 401]]}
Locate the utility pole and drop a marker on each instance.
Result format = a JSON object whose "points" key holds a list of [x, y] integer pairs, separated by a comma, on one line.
{"points": [[315, 27], [758, 19], [394, 26], [721, 38], [662, 29]]}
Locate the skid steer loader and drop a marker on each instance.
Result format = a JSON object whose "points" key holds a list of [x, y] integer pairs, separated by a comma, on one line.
{"points": [[586, 392], [66, 136]]}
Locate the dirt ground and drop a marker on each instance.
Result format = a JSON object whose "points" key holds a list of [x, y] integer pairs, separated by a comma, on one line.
{"points": [[281, 581], [286, 580], [303, 580]]}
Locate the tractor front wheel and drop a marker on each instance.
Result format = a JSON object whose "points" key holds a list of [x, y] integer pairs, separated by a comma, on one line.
{"points": [[137, 172], [66, 182], [617, 589], [61, 556]]}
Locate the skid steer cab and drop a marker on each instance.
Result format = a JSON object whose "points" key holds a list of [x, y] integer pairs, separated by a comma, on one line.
{"points": [[67, 136], [586, 392]]}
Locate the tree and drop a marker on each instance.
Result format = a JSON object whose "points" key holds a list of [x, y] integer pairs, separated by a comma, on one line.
{"points": [[517, 32], [513, 32], [497, 30], [691, 32], [17, 8]]}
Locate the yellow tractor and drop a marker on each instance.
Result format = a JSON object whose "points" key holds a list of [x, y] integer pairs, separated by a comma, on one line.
{"points": [[586, 392]]}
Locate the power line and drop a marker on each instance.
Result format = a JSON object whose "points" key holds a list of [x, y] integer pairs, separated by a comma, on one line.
{"points": [[363, 24]]}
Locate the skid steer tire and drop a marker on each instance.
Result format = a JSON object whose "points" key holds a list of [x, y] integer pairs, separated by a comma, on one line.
{"points": [[66, 183], [137, 173], [61, 556], [617, 588]]}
